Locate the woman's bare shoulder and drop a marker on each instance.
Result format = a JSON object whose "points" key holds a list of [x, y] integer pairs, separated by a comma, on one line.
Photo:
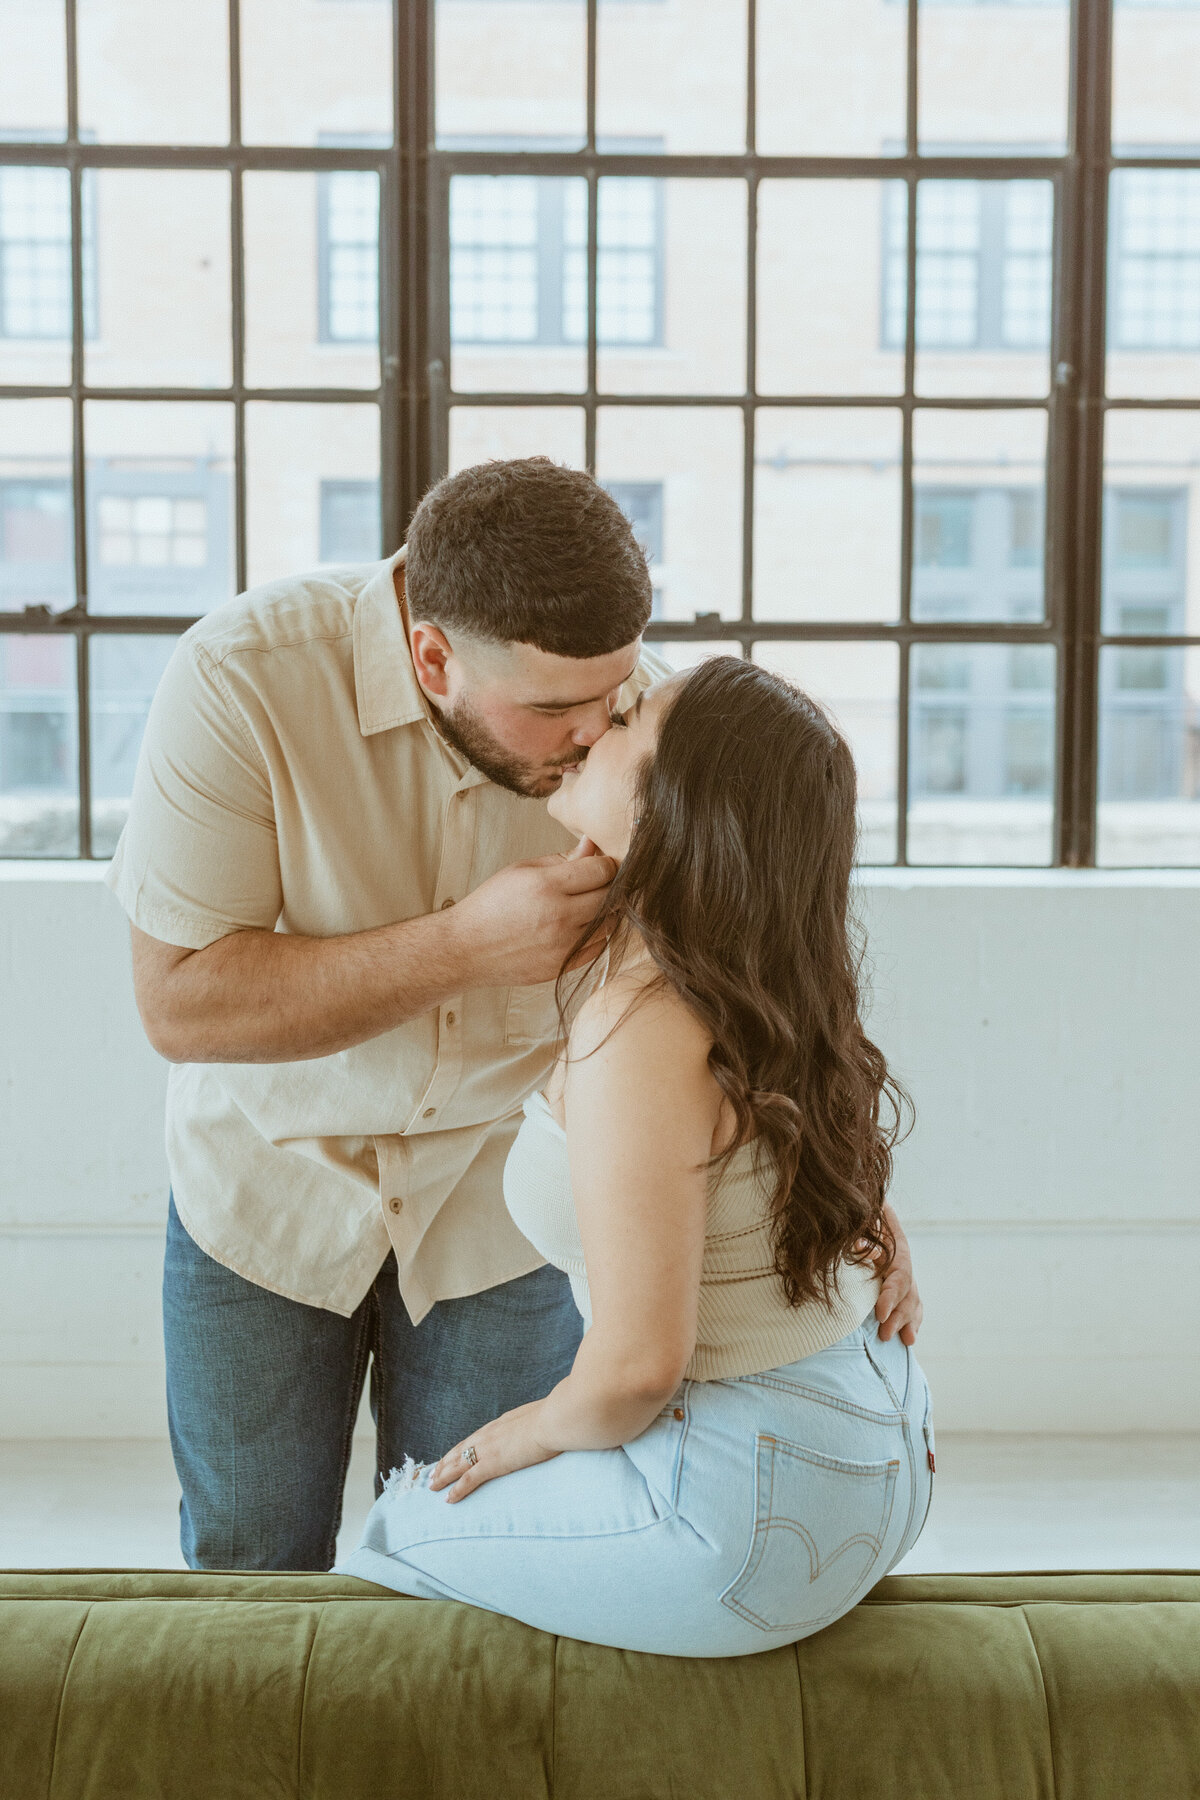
{"points": [[642, 1011]]}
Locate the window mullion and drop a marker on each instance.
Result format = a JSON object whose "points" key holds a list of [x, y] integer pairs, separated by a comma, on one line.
{"points": [[1083, 315]]}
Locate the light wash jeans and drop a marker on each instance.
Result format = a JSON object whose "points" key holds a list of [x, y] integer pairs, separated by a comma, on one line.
{"points": [[751, 1512]]}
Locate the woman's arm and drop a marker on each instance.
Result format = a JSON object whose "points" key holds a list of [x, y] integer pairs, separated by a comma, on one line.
{"points": [[641, 1111]]}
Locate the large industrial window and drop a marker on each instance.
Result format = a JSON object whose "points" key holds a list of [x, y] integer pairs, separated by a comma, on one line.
{"points": [[892, 356]]}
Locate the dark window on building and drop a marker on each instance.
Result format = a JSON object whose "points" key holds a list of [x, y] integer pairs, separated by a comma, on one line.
{"points": [[977, 553], [642, 504], [37, 557], [158, 535], [1145, 575], [982, 716], [350, 521]]}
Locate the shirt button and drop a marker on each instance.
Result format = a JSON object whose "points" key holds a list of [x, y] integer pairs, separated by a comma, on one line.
{"points": [[450, 1018], [446, 903], [429, 1112], [395, 1205], [679, 1412]]}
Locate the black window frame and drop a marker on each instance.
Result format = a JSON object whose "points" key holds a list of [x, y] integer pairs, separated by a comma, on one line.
{"points": [[415, 397]]}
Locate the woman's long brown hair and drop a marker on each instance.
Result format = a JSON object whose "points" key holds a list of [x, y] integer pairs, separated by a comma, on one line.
{"points": [[738, 880]]}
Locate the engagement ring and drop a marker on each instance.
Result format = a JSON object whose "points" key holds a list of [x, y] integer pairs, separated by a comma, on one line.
{"points": [[469, 1455]]}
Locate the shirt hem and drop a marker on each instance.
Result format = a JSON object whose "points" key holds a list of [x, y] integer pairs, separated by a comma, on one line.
{"points": [[272, 1287]]}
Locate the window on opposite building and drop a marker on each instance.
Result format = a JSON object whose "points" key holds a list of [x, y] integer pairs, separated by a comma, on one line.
{"points": [[1154, 280], [984, 264], [518, 260], [35, 252]]}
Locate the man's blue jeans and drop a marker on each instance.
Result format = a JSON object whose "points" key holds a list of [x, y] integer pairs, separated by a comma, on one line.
{"points": [[263, 1392]]}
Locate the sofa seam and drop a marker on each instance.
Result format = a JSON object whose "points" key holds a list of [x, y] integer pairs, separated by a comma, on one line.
{"points": [[1045, 1702], [308, 1662], [62, 1694], [803, 1718], [554, 1720]]}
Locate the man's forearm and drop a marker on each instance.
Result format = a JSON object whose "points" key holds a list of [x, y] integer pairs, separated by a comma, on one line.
{"points": [[266, 996]]}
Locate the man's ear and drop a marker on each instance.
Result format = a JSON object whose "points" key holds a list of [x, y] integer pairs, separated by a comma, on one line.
{"points": [[430, 653]]}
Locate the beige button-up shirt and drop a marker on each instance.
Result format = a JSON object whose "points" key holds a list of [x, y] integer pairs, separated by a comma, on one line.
{"points": [[291, 778]]}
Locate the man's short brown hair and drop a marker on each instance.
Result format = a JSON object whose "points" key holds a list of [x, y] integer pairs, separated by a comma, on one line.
{"points": [[528, 552]]}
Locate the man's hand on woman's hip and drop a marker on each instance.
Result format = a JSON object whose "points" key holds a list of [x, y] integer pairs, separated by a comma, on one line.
{"points": [[899, 1303]]}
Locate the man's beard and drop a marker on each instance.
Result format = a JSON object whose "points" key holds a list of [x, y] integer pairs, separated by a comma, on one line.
{"points": [[462, 727]]}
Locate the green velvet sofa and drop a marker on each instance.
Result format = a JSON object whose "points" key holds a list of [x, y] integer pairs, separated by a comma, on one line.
{"points": [[141, 1686]]}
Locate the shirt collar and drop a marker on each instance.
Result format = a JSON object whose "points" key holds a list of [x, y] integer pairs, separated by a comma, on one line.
{"points": [[385, 682]]}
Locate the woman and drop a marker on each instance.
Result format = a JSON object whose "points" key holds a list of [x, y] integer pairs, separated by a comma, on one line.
{"points": [[736, 1456]]}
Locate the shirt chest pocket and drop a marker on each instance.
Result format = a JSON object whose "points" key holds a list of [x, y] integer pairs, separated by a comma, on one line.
{"points": [[531, 1016]]}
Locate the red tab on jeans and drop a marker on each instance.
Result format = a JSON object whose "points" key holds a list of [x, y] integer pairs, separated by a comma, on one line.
{"points": [[932, 1464]]}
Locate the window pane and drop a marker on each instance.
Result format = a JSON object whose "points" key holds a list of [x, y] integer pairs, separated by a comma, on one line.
{"points": [[33, 69], [514, 282], [35, 275], [1149, 811], [831, 287], [312, 279], [293, 453], [479, 433], [159, 483], [164, 300], [37, 532], [981, 753], [859, 684], [1156, 51], [993, 78], [1154, 282], [310, 70], [827, 513], [509, 69], [154, 74], [688, 655], [824, 89], [123, 674], [978, 515], [695, 454], [1151, 574], [671, 285], [702, 107], [39, 781], [984, 267]]}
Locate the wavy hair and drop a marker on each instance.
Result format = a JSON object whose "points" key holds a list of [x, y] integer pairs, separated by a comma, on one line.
{"points": [[737, 878]]}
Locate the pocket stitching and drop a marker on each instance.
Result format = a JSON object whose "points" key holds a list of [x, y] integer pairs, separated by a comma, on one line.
{"points": [[763, 1526]]}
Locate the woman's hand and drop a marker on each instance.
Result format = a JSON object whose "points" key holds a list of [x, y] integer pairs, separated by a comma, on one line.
{"points": [[509, 1442]]}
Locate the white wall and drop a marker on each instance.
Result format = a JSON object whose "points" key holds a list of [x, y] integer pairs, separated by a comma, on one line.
{"points": [[1047, 1028]]}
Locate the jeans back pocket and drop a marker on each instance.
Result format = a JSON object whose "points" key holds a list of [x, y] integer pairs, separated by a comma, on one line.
{"points": [[819, 1529]]}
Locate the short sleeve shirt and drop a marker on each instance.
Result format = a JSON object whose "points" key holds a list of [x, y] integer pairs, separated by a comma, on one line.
{"points": [[291, 779]]}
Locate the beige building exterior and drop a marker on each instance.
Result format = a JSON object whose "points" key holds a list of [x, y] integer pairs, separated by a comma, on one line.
{"points": [[829, 324]]}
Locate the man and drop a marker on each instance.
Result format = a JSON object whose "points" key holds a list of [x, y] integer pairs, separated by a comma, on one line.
{"points": [[348, 911]]}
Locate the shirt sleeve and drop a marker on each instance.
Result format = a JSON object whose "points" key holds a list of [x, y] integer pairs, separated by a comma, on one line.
{"points": [[199, 855]]}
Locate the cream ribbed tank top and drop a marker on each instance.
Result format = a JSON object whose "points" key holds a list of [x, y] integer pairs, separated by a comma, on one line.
{"points": [[744, 1321]]}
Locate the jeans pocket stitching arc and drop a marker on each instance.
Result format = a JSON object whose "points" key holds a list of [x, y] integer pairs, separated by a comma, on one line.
{"points": [[772, 1527]]}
